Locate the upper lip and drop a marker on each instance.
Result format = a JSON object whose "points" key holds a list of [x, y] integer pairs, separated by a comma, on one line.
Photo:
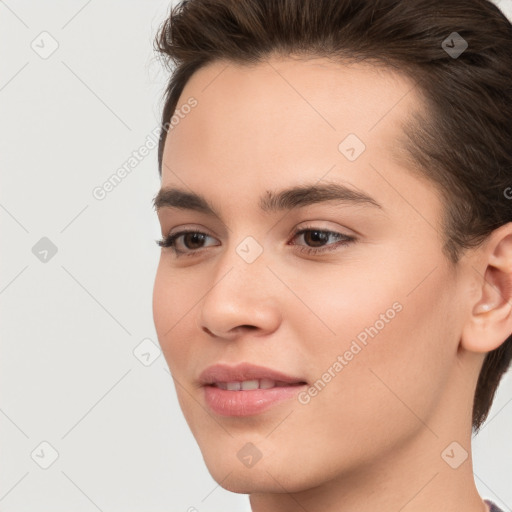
{"points": [[243, 371]]}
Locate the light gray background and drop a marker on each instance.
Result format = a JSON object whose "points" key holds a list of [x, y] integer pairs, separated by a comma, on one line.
{"points": [[70, 325]]}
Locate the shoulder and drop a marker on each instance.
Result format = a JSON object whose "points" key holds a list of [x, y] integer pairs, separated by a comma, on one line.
{"points": [[492, 506]]}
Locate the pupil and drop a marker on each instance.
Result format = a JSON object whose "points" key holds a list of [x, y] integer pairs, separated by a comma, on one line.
{"points": [[194, 236], [317, 235]]}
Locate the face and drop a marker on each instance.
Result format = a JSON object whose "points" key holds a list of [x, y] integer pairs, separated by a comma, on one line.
{"points": [[369, 321]]}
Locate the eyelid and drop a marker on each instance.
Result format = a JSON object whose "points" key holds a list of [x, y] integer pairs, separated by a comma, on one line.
{"points": [[316, 225], [343, 240], [192, 227], [296, 231]]}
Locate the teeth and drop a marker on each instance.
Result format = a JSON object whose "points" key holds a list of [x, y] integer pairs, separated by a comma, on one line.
{"points": [[250, 384], [266, 383]]}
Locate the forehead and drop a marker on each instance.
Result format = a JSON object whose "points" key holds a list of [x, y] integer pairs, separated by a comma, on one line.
{"points": [[333, 96], [266, 125]]}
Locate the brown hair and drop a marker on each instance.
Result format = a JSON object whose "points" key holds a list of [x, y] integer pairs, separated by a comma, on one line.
{"points": [[461, 141]]}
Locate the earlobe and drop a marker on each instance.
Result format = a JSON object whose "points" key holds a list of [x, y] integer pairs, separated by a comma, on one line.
{"points": [[490, 322]]}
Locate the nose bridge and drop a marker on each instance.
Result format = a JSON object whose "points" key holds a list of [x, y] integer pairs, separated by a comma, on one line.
{"points": [[242, 269], [241, 291]]}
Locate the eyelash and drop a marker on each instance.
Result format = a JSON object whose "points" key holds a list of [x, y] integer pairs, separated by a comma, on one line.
{"points": [[170, 241]]}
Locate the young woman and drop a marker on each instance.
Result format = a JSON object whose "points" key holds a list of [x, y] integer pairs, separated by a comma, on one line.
{"points": [[334, 294]]}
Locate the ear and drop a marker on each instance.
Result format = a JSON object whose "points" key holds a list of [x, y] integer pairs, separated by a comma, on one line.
{"points": [[490, 322]]}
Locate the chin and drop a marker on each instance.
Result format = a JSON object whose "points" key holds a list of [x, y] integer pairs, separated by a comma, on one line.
{"points": [[249, 481], [266, 476]]}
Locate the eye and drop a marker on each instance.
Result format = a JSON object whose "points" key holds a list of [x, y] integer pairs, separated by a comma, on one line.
{"points": [[193, 240], [318, 236], [190, 237]]}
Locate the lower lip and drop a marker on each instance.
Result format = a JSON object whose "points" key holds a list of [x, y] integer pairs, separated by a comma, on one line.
{"points": [[249, 402]]}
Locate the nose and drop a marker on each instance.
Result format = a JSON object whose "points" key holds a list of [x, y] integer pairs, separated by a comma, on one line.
{"points": [[242, 297]]}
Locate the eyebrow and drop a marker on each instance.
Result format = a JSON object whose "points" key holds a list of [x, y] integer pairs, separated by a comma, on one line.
{"points": [[273, 201]]}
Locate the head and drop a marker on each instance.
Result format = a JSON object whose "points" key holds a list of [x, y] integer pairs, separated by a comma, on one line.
{"points": [[415, 296]]}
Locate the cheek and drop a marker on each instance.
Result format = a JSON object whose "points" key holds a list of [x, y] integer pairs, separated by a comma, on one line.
{"points": [[388, 313], [162, 302], [174, 294], [169, 316], [397, 346]]}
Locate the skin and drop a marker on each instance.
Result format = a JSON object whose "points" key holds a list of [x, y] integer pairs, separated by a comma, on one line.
{"points": [[372, 439]]}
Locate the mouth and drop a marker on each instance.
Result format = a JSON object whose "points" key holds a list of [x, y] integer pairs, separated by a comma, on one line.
{"points": [[246, 376], [249, 385], [247, 389]]}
